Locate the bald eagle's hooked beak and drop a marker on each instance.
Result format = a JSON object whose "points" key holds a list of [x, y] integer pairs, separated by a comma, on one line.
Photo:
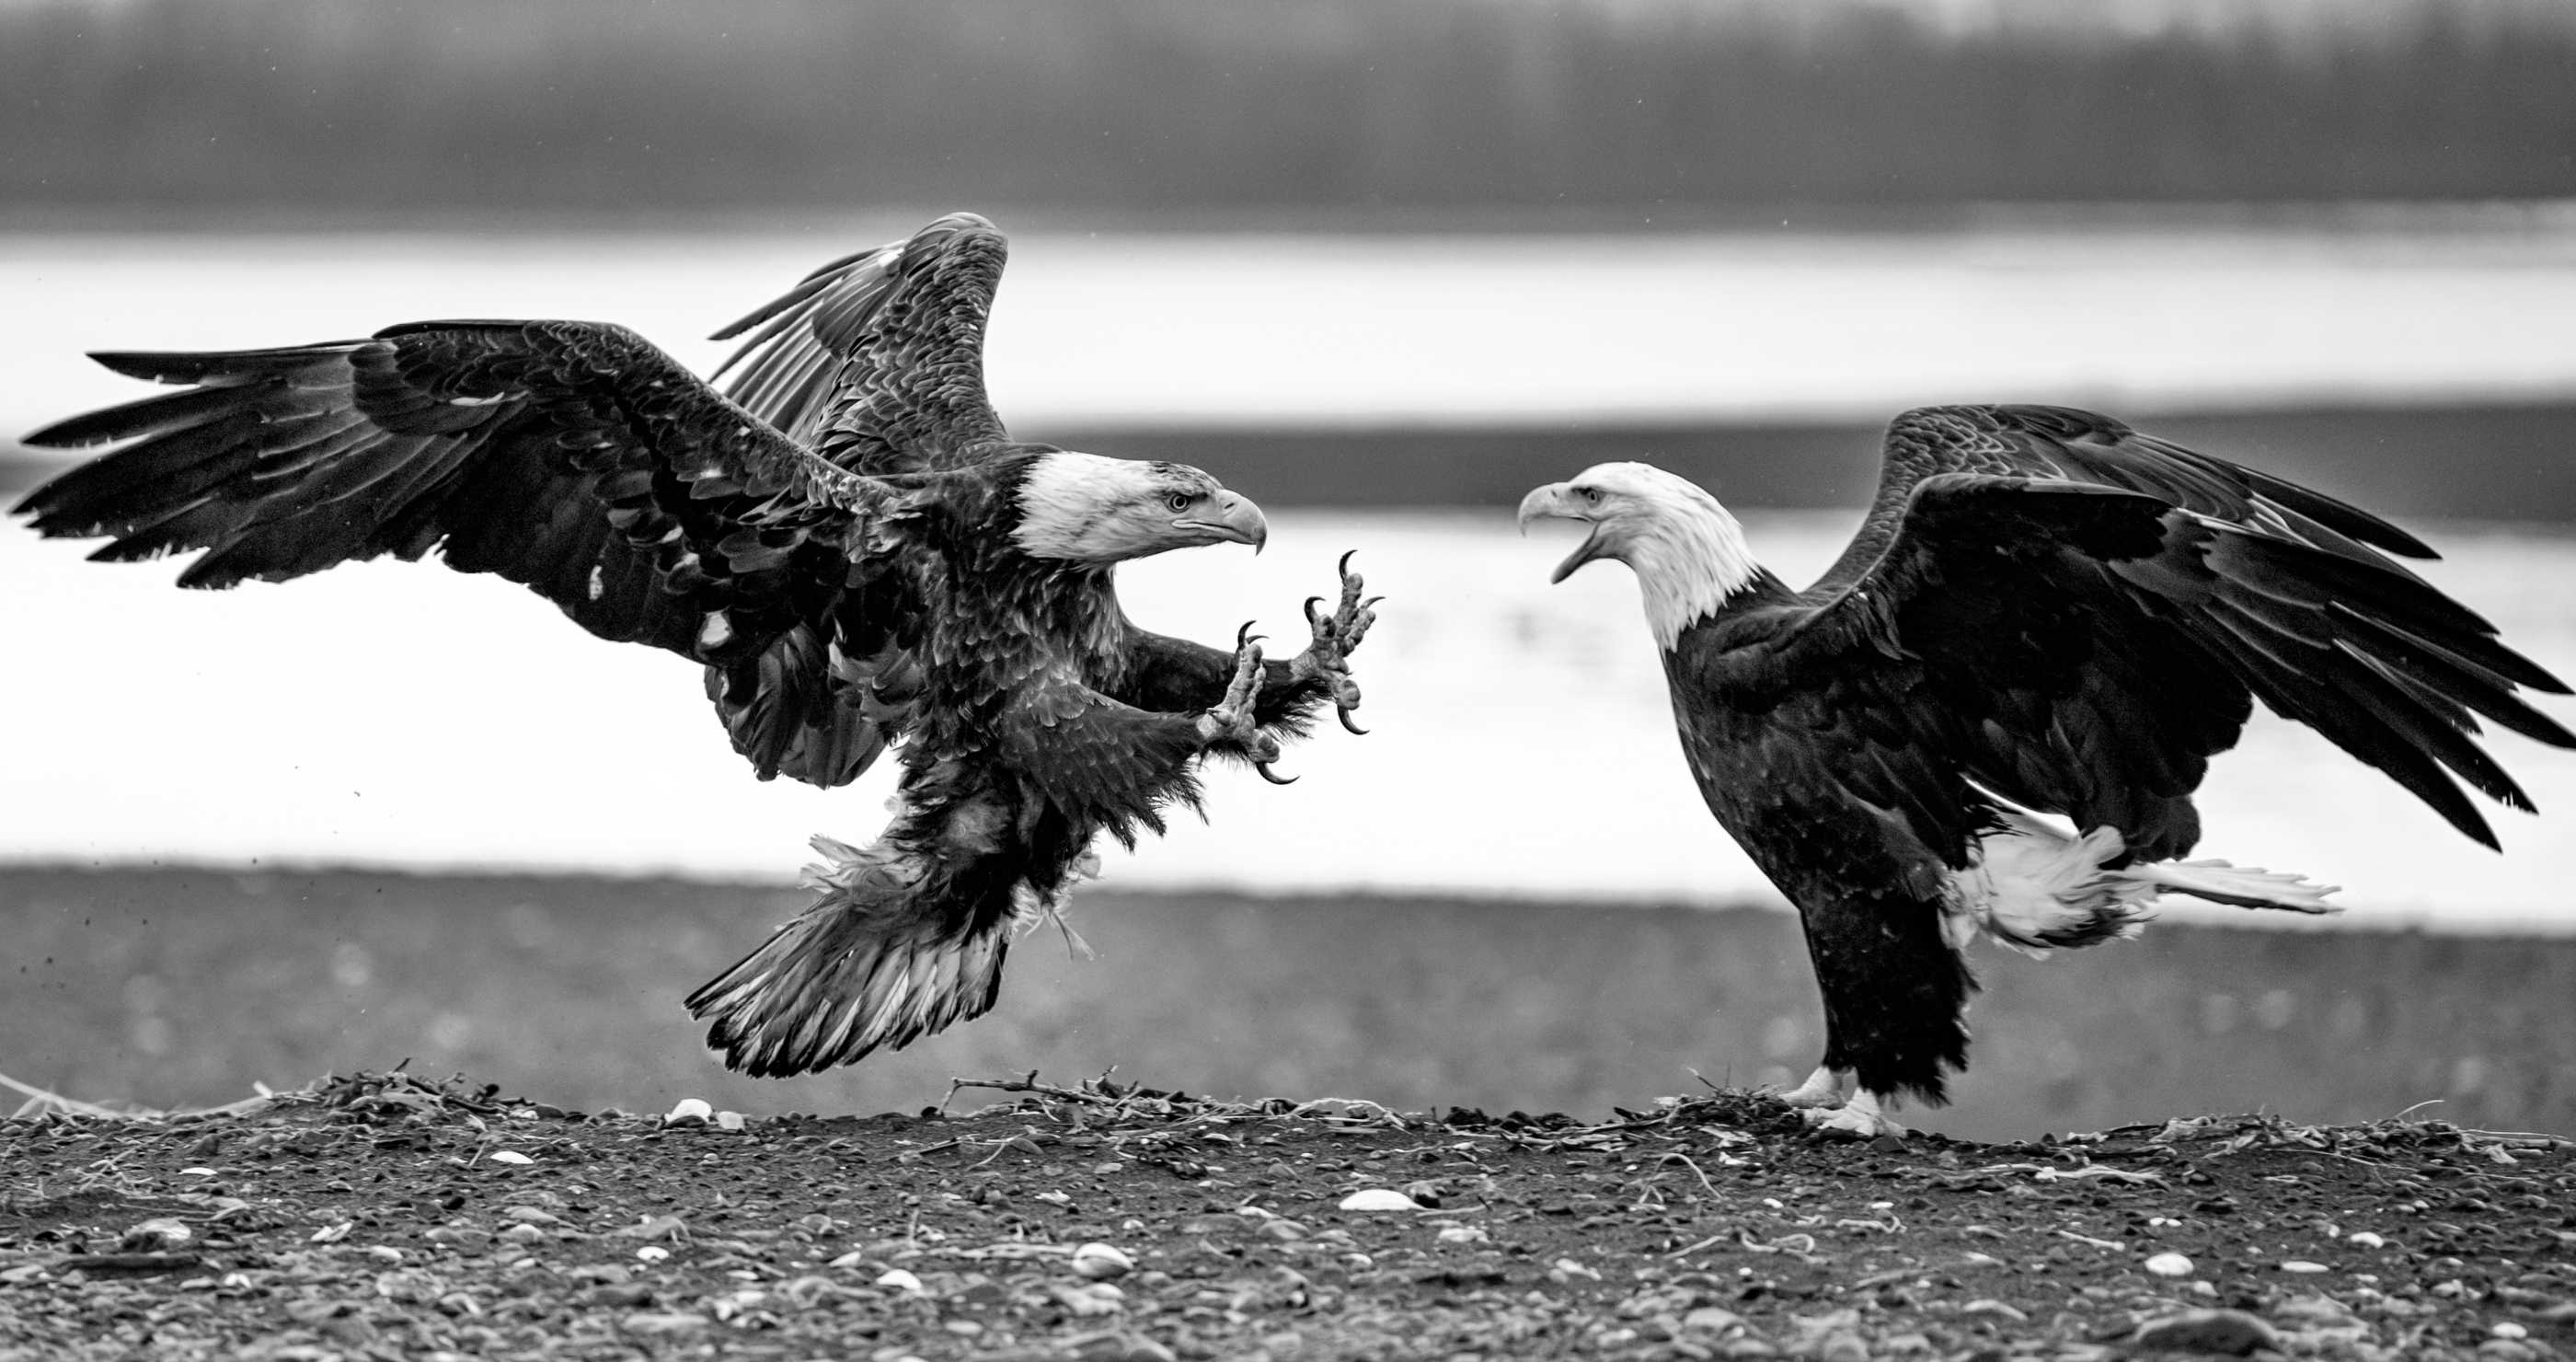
{"points": [[1556, 501], [1230, 518]]}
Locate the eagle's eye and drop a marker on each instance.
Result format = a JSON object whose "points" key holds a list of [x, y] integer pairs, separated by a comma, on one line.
{"points": [[1591, 495], [1178, 501]]}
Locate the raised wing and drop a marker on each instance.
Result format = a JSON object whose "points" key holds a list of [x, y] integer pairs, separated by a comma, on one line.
{"points": [[571, 457], [2082, 446], [2084, 650], [877, 359]]}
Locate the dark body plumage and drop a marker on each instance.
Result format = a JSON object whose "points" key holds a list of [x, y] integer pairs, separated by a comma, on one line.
{"points": [[849, 543], [2044, 611]]}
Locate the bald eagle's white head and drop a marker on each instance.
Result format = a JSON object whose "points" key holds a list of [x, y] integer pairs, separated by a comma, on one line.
{"points": [[1688, 553], [1088, 509]]}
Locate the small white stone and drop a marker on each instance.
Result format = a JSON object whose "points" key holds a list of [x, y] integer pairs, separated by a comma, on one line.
{"points": [[652, 1253], [2365, 1239], [2508, 1329], [1101, 1262], [1462, 1234], [1090, 1298], [729, 1120], [1379, 1199], [899, 1279], [690, 1111], [2169, 1265], [509, 1156], [163, 1229], [524, 1234], [196, 1172]]}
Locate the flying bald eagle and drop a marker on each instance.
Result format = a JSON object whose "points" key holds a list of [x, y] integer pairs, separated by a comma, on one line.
{"points": [[2044, 612], [847, 540]]}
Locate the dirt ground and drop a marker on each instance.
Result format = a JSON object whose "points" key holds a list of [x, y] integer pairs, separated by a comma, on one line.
{"points": [[386, 1216]]}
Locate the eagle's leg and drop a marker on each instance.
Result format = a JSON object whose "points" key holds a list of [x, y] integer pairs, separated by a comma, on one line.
{"points": [[1823, 1107], [1859, 1116], [1823, 1088], [1327, 659], [1229, 722]]}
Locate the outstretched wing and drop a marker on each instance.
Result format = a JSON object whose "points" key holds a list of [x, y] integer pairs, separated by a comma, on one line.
{"points": [[571, 457], [877, 359], [2084, 650], [2081, 446]]}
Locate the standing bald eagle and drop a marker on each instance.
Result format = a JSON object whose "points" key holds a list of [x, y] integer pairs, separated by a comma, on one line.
{"points": [[2045, 612], [848, 541]]}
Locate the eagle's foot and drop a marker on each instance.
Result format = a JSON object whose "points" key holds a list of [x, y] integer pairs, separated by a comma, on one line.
{"points": [[1336, 634], [1860, 1117], [1823, 1088], [1230, 723]]}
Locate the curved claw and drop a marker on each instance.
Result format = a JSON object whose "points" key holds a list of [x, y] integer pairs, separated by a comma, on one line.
{"points": [[1264, 768], [1245, 635], [1347, 726], [1344, 567], [1313, 621]]}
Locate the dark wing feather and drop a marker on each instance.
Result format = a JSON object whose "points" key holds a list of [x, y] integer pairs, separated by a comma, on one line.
{"points": [[574, 458], [2081, 446], [2084, 650], [877, 359]]}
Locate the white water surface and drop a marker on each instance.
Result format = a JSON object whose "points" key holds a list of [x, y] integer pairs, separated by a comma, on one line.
{"points": [[1266, 330], [404, 715]]}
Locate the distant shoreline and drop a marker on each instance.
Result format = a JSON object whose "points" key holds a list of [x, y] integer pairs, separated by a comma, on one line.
{"points": [[2511, 463], [189, 984], [2175, 914], [2499, 216]]}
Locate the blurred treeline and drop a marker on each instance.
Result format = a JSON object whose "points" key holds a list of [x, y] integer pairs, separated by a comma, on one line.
{"points": [[1232, 104]]}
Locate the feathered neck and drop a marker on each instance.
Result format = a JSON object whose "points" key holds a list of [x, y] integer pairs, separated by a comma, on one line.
{"points": [[1690, 559]]}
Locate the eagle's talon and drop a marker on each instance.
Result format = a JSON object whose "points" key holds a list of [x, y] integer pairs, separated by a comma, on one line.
{"points": [[1823, 1088], [1264, 768], [1327, 658], [1229, 721], [1860, 1117]]}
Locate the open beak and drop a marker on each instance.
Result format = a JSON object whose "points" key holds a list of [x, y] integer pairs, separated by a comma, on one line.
{"points": [[1231, 518], [1556, 502]]}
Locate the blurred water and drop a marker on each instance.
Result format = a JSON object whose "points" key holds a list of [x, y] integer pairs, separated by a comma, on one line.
{"points": [[1203, 329], [398, 714], [390, 714]]}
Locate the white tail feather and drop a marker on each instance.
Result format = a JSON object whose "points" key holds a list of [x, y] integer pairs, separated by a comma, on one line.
{"points": [[2033, 888], [870, 964], [2242, 886]]}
